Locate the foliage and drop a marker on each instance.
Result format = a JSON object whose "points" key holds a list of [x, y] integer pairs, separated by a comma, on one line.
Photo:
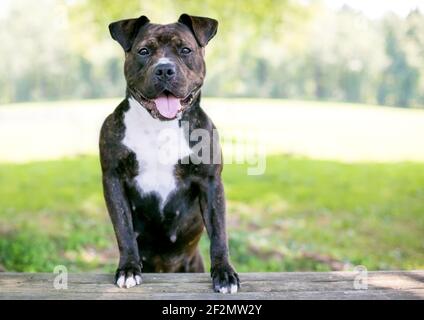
{"points": [[270, 48]]}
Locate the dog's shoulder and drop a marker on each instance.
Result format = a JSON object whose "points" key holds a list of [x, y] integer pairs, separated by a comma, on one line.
{"points": [[199, 119], [113, 126], [111, 134]]}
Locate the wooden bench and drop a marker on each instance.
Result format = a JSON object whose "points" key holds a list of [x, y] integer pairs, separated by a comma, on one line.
{"points": [[285, 285]]}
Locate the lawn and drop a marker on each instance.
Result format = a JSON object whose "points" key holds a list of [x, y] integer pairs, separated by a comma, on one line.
{"points": [[318, 130], [302, 214]]}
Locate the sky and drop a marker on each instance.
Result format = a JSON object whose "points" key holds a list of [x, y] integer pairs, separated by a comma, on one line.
{"points": [[377, 8]]}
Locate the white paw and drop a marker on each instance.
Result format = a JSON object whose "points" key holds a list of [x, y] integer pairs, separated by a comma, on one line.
{"points": [[225, 279], [128, 282], [232, 289], [120, 282], [223, 290]]}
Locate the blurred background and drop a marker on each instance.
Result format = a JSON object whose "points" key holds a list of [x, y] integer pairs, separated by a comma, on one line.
{"points": [[335, 87]]}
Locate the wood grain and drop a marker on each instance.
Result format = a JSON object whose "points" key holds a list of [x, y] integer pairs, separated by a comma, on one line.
{"points": [[286, 285]]}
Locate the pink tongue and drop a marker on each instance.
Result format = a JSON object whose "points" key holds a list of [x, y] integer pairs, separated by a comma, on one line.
{"points": [[168, 105]]}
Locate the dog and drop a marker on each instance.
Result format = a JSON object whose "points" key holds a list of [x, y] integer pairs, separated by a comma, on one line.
{"points": [[158, 197]]}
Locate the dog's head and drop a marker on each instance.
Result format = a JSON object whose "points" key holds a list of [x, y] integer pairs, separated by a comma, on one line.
{"points": [[164, 64]]}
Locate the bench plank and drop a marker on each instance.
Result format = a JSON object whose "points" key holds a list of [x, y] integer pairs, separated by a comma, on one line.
{"points": [[284, 285]]}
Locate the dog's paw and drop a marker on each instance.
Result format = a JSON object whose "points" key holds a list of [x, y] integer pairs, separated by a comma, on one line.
{"points": [[225, 279], [128, 277]]}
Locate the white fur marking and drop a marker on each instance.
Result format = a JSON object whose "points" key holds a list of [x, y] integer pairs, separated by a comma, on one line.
{"points": [[130, 282], [163, 61], [158, 145], [233, 288], [173, 238], [120, 282], [223, 290], [138, 279]]}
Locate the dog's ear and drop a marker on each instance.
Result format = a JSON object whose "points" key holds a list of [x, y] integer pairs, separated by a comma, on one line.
{"points": [[204, 29], [125, 31]]}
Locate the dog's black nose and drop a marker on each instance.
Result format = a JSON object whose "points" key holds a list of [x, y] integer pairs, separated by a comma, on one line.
{"points": [[165, 71]]}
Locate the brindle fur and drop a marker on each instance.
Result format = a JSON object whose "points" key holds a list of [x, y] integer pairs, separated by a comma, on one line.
{"points": [[142, 230]]}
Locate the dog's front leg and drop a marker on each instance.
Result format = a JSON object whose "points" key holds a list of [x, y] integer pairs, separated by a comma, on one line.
{"points": [[224, 277], [128, 273]]}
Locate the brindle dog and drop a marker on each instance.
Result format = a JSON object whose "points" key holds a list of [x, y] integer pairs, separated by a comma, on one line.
{"points": [[159, 208]]}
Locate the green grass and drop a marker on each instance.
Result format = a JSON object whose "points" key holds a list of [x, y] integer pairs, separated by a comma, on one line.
{"points": [[300, 215]]}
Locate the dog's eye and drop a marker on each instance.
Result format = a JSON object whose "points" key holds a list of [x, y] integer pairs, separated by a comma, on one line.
{"points": [[143, 52], [185, 50]]}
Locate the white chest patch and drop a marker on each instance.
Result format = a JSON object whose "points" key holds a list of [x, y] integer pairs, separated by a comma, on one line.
{"points": [[158, 145]]}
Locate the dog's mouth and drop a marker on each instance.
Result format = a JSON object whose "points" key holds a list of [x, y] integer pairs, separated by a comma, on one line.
{"points": [[166, 105]]}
